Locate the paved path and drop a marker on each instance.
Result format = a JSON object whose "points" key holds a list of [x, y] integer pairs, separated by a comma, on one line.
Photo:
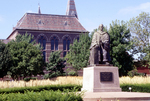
{"points": [[116, 96]]}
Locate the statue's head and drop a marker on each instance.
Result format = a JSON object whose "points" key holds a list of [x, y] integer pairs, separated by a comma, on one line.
{"points": [[101, 27]]}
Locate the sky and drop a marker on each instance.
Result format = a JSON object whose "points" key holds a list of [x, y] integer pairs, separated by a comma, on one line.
{"points": [[91, 13]]}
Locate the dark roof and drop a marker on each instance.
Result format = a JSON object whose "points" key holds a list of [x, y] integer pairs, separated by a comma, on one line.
{"points": [[5, 40], [34, 21]]}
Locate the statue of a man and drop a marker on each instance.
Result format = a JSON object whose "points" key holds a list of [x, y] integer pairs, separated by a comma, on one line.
{"points": [[100, 47]]}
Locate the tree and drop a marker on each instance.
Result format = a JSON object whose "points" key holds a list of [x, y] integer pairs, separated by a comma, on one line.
{"points": [[55, 65], [119, 47], [28, 38], [5, 60], [140, 29], [27, 59], [79, 52]]}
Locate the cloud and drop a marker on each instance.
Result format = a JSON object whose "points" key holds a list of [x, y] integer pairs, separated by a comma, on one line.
{"points": [[29, 11], [144, 7]]}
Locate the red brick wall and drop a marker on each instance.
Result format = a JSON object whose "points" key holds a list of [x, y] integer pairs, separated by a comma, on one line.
{"points": [[48, 35]]}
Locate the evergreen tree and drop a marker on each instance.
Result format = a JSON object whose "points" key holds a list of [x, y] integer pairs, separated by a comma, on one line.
{"points": [[55, 65], [5, 60], [140, 29], [79, 52], [119, 46]]}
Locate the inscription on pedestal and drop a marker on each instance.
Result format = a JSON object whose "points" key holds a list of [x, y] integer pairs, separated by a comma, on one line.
{"points": [[106, 76]]}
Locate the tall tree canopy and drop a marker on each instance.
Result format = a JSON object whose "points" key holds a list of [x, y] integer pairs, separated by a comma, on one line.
{"points": [[79, 52], [26, 37], [27, 59], [55, 65], [5, 60], [120, 45], [140, 29]]}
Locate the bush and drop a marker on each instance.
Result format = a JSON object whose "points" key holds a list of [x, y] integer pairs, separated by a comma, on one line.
{"points": [[30, 78], [135, 73], [42, 96], [72, 73], [40, 88], [46, 76], [52, 75], [136, 87]]}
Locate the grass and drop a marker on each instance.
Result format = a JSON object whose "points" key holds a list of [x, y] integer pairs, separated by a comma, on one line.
{"points": [[54, 81], [68, 80], [134, 80]]}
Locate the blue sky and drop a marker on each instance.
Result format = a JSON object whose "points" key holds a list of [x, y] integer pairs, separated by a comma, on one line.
{"points": [[91, 13]]}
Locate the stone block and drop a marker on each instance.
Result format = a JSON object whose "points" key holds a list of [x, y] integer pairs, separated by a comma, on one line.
{"points": [[101, 79]]}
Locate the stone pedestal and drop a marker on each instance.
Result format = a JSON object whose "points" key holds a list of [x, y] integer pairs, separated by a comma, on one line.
{"points": [[101, 79]]}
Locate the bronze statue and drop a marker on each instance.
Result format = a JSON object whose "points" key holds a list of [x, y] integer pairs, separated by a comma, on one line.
{"points": [[100, 47]]}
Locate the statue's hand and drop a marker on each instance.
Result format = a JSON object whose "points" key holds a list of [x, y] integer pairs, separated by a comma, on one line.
{"points": [[90, 47], [95, 46]]}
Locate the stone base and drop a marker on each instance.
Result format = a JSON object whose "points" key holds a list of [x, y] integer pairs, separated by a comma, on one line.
{"points": [[116, 96], [101, 79]]}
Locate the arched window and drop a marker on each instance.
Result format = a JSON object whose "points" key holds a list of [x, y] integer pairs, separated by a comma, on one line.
{"points": [[66, 46], [76, 38], [42, 42], [54, 43]]}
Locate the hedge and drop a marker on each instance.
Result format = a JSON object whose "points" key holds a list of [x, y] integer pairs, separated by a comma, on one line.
{"points": [[40, 88], [145, 88], [125, 87], [42, 96]]}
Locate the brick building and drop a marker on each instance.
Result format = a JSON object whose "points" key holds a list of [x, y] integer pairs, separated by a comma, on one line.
{"points": [[53, 32]]}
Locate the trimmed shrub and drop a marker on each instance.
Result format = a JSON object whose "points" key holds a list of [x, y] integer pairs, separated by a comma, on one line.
{"points": [[136, 87], [42, 96], [40, 88]]}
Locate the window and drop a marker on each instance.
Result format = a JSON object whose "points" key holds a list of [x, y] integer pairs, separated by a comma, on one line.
{"points": [[54, 43], [42, 42], [77, 38], [64, 53], [66, 46], [44, 55]]}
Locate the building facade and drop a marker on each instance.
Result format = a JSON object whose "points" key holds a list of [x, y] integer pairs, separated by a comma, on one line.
{"points": [[53, 32]]}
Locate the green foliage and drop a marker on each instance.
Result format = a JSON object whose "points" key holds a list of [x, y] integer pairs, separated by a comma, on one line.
{"points": [[78, 55], [72, 73], [119, 47], [42, 96], [134, 72], [26, 59], [41, 88], [27, 38], [55, 65], [136, 87], [139, 28], [5, 60], [30, 78]]}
